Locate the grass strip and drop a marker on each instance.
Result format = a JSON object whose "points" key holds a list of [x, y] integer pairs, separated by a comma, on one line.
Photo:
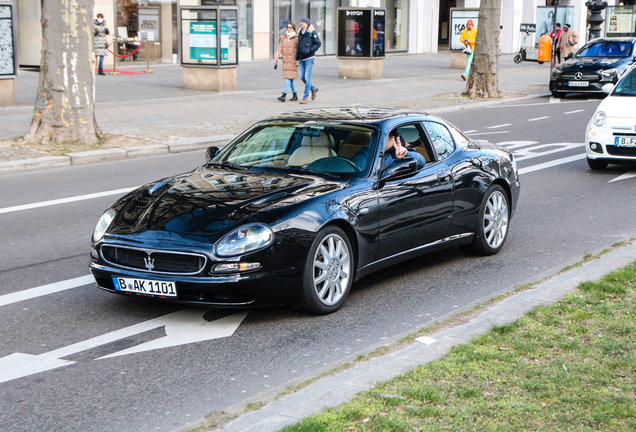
{"points": [[566, 366]]}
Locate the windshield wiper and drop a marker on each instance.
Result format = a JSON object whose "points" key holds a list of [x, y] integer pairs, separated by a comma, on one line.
{"points": [[301, 169], [227, 164]]}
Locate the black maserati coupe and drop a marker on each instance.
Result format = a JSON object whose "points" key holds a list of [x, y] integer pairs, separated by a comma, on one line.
{"points": [[301, 205]]}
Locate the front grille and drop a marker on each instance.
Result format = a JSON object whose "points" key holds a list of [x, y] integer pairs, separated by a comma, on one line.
{"points": [[621, 151], [587, 76], [155, 261]]}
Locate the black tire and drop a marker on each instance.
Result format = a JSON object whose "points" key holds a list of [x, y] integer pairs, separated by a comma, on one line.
{"points": [[596, 164], [330, 261], [518, 58], [492, 226]]}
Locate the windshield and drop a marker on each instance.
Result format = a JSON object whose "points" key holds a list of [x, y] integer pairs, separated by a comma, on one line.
{"points": [[627, 85], [340, 149], [606, 49]]}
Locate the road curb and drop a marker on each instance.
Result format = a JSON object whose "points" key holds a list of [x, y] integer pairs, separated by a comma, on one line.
{"points": [[334, 390], [114, 154]]}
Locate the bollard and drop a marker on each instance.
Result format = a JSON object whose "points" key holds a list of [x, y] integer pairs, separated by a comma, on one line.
{"points": [[147, 58], [114, 72]]}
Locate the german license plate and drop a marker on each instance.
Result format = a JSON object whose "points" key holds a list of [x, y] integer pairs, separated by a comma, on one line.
{"points": [[145, 287], [578, 83], [625, 141]]}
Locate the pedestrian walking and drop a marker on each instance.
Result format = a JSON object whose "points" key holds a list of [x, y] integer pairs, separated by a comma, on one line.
{"points": [[468, 36], [308, 44], [287, 48], [100, 43], [556, 41], [569, 39]]}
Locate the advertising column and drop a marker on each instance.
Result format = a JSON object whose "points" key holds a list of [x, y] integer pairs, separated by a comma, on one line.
{"points": [[209, 57], [361, 43], [7, 54]]}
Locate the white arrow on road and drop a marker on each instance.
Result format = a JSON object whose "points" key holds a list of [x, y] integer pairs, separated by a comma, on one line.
{"points": [[625, 176], [182, 327]]}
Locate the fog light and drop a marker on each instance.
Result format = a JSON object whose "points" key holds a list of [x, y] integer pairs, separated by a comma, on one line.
{"points": [[593, 146], [592, 132], [235, 267]]}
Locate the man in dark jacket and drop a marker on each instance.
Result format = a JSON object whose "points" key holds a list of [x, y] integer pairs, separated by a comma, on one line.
{"points": [[308, 44]]}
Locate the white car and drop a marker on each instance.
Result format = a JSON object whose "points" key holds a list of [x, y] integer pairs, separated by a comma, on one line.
{"points": [[610, 136]]}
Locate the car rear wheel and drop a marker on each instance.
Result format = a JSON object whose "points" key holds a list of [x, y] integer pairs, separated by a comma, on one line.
{"points": [[492, 228], [596, 164], [327, 273]]}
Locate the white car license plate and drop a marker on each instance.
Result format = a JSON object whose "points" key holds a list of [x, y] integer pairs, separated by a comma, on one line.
{"points": [[145, 287], [625, 141], [578, 83]]}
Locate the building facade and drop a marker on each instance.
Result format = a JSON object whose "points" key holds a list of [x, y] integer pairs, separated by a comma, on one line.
{"points": [[412, 26]]}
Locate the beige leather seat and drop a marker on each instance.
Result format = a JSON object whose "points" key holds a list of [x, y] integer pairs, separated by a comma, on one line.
{"points": [[311, 149], [354, 142]]}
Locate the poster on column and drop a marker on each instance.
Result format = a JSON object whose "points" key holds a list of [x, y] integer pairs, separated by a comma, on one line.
{"points": [[545, 18], [203, 40], [459, 18]]}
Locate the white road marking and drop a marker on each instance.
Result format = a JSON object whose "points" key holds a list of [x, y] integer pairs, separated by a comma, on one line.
{"points": [[625, 176], [499, 126], [489, 133], [182, 327], [471, 131], [66, 200], [531, 152], [551, 164], [538, 118], [43, 290], [574, 112], [539, 103], [426, 340], [510, 145]]}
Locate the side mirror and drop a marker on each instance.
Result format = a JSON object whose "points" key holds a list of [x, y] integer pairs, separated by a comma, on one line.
{"points": [[400, 168], [569, 56], [211, 152], [607, 88]]}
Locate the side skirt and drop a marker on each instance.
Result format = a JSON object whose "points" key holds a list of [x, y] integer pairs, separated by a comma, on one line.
{"points": [[444, 243]]}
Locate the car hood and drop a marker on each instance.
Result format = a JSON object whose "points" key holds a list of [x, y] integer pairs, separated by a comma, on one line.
{"points": [[592, 63], [208, 201], [618, 106]]}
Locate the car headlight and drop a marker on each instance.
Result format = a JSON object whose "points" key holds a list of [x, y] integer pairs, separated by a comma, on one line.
{"points": [[103, 224], [609, 72], [247, 238], [599, 118], [556, 73]]}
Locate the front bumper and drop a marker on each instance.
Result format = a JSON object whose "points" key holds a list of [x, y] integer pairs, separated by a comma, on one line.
{"points": [[603, 143]]}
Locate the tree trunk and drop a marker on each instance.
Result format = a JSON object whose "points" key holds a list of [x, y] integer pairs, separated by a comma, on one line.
{"points": [[65, 105], [482, 81]]}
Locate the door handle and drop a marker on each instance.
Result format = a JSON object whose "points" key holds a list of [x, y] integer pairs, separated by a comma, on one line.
{"points": [[442, 177]]}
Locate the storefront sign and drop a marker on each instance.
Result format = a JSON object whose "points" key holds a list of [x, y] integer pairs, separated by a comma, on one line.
{"points": [[203, 40], [148, 20], [620, 21], [459, 18], [7, 44]]}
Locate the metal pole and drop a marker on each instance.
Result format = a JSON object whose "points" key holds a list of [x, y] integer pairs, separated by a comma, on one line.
{"points": [[114, 72], [147, 57]]}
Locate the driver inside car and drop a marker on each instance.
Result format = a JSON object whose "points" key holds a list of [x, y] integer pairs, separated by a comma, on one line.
{"points": [[397, 148]]}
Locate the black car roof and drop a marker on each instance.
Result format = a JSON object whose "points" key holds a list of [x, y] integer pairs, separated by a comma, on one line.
{"points": [[347, 114]]}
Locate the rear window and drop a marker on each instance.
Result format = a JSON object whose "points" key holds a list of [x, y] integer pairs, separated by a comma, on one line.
{"points": [[606, 49]]}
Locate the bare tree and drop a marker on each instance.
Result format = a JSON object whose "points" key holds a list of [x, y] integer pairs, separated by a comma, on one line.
{"points": [[65, 105], [483, 81]]}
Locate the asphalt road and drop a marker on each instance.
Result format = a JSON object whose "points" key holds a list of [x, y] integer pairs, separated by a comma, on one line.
{"points": [[565, 211]]}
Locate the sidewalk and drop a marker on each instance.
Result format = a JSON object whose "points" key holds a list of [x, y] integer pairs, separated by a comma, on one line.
{"points": [[334, 390], [155, 107]]}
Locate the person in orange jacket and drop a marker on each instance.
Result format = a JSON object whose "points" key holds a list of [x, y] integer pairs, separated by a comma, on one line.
{"points": [[468, 36]]}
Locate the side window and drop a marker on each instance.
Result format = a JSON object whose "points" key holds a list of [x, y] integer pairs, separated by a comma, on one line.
{"points": [[441, 138], [416, 138]]}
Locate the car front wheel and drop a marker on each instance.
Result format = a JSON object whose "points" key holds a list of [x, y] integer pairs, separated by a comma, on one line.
{"points": [[327, 273], [492, 227]]}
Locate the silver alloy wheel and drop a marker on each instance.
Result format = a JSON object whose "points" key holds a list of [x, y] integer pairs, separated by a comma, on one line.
{"points": [[496, 219], [332, 269]]}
